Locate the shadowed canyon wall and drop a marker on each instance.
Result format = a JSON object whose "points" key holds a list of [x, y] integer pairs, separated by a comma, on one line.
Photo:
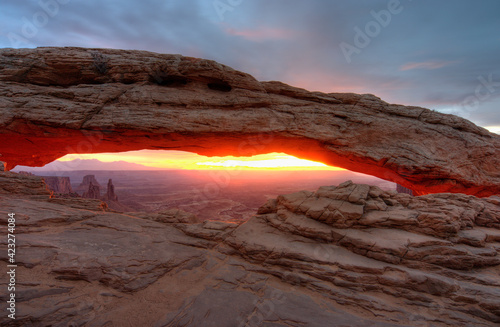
{"points": [[55, 101]]}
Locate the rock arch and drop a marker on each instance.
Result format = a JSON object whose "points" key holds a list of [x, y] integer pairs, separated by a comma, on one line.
{"points": [[55, 101]]}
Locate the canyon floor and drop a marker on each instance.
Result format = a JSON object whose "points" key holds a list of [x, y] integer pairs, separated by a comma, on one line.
{"points": [[231, 195], [345, 255]]}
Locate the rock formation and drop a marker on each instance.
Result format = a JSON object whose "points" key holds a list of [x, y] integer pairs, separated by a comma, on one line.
{"points": [[111, 199], [58, 184], [91, 189], [110, 192], [351, 255], [71, 100], [93, 192], [84, 185]]}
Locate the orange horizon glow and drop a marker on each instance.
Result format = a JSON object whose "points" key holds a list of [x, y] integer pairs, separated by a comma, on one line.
{"points": [[192, 161]]}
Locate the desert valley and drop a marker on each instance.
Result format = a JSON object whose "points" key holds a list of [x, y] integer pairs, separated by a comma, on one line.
{"points": [[210, 195]]}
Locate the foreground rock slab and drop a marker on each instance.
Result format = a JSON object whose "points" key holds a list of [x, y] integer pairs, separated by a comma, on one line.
{"points": [[56, 101], [347, 255]]}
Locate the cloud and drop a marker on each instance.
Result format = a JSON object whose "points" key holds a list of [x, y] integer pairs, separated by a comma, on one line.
{"points": [[431, 54], [426, 65]]}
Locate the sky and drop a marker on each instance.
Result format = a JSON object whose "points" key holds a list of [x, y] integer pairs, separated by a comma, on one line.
{"points": [[439, 54]]}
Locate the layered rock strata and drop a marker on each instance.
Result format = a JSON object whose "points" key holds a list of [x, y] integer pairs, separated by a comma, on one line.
{"points": [[57, 184], [93, 192], [86, 181], [351, 255], [110, 192], [57, 101]]}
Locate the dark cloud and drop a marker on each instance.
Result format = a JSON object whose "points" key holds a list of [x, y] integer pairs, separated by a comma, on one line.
{"points": [[431, 53]]}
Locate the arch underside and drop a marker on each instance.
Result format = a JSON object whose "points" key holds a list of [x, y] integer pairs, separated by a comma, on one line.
{"points": [[44, 150], [55, 102]]}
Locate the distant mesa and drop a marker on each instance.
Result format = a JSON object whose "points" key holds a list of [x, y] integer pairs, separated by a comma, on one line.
{"points": [[85, 184], [89, 188], [58, 184], [93, 192]]}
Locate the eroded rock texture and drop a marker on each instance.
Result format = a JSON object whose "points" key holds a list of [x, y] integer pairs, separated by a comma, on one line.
{"points": [[84, 185], [56, 101], [93, 192], [351, 255], [110, 192], [58, 184]]}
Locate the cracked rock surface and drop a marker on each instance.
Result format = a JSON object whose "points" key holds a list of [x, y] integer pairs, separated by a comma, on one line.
{"points": [[347, 255], [55, 101]]}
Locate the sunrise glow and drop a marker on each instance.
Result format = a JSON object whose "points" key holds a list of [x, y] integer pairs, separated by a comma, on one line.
{"points": [[493, 129], [191, 161], [271, 161]]}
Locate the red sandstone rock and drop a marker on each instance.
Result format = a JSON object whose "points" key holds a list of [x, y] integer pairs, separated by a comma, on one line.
{"points": [[71, 100], [111, 199], [386, 259], [94, 192], [84, 185], [58, 184], [110, 192]]}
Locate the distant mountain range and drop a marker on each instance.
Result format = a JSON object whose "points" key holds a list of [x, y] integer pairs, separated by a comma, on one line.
{"points": [[86, 164]]}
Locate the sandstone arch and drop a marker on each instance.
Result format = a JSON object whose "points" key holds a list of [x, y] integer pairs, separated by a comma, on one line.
{"points": [[56, 101]]}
